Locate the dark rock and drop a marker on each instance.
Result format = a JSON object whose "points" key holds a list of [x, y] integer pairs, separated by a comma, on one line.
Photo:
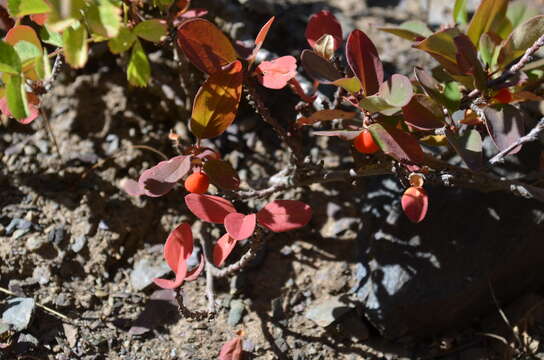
{"points": [[421, 279], [25, 342], [277, 308]]}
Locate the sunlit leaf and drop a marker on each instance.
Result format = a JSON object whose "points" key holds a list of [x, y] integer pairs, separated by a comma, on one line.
{"points": [[177, 250], [64, 13], [423, 113], [396, 143], [138, 69], [9, 60], [276, 73], [16, 97], [393, 94], [523, 37], [505, 124], [205, 45], [319, 68], [489, 17], [468, 145], [232, 350], [222, 249], [23, 33], [104, 18], [216, 103], [489, 46], [364, 61], [222, 174], [460, 12], [259, 40], [413, 30], [441, 46], [123, 41], [240, 226], [351, 85], [20, 8], [153, 30], [75, 45], [415, 203], [131, 187], [346, 135], [162, 177], [322, 23], [209, 208], [50, 37], [519, 11], [325, 47], [284, 215]]}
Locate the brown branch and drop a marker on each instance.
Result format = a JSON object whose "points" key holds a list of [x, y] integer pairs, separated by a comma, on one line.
{"points": [[196, 315]]}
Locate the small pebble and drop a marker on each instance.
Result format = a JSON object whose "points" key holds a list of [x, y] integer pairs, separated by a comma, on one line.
{"points": [[34, 243], [236, 312], [19, 233]]}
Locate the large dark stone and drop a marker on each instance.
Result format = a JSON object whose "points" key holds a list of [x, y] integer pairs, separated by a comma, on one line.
{"points": [[424, 279]]}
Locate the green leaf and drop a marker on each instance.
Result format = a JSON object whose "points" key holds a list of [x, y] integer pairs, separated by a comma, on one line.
{"points": [[16, 96], [123, 41], [489, 45], [392, 95], [441, 46], [75, 45], [460, 12], [9, 60], [20, 8], [64, 14], [27, 51], [51, 37], [43, 66], [521, 39], [153, 30], [138, 70], [452, 95], [519, 12], [410, 30], [489, 17], [351, 85], [104, 18]]}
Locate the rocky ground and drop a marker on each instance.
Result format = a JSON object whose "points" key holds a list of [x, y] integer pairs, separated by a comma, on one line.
{"points": [[78, 255]]}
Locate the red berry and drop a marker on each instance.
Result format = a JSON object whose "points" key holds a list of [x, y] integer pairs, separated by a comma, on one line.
{"points": [[504, 96], [197, 183], [365, 143]]}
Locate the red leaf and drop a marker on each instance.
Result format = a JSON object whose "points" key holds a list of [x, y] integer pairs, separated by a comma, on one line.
{"points": [[177, 249], [209, 208], [39, 19], [205, 45], [240, 226], [162, 177], [232, 350], [415, 203], [259, 40], [131, 187], [276, 73], [396, 143], [363, 59], [222, 249], [196, 272], [284, 215], [322, 23], [33, 108]]}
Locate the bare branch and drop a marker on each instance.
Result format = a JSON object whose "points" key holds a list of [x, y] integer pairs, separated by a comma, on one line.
{"points": [[531, 136]]}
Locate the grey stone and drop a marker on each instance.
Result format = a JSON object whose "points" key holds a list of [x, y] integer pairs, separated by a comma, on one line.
{"points": [[328, 311], [19, 312], [79, 243], [34, 243], [145, 271], [19, 233], [236, 312], [56, 235], [17, 224], [42, 274]]}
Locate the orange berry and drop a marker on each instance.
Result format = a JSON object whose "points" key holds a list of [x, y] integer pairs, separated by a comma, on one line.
{"points": [[364, 143], [197, 183], [504, 96]]}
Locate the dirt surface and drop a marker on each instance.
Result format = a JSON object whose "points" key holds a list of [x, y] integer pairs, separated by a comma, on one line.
{"points": [[85, 251]]}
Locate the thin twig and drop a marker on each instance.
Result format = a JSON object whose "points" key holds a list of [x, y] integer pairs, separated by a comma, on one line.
{"points": [[50, 131], [41, 306], [210, 294], [531, 136], [196, 315], [256, 244]]}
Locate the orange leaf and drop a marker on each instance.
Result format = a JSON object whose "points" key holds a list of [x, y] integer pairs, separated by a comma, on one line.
{"points": [[216, 102], [415, 203], [259, 40], [205, 45]]}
